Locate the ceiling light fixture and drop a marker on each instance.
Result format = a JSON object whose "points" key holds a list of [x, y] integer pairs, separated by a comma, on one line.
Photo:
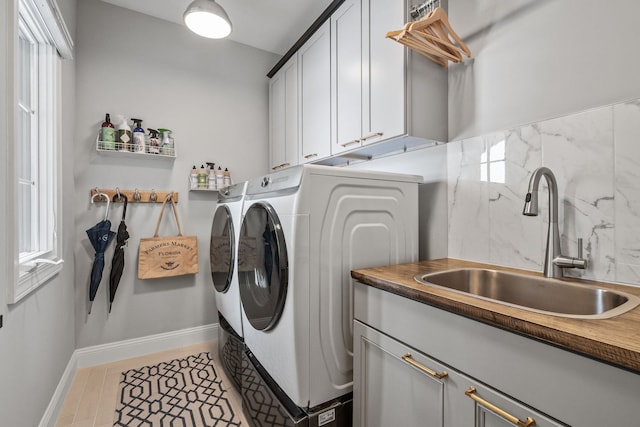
{"points": [[208, 19]]}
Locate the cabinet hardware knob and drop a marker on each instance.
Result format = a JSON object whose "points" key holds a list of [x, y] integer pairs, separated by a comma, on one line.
{"points": [[373, 135], [407, 358], [471, 392], [308, 156]]}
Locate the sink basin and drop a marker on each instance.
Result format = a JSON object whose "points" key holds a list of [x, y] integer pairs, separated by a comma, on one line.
{"points": [[538, 294]]}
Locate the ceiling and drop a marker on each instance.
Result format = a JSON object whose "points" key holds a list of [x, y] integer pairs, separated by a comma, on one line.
{"points": [[271, 25]]}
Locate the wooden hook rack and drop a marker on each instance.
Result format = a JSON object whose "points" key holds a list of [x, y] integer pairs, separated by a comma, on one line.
{"points": [[146, 196]]}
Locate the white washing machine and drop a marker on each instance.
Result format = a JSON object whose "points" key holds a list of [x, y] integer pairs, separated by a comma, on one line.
{"points": [[304, 229], [223, 255]]}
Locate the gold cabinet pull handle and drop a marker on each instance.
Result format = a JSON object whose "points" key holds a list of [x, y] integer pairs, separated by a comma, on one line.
{"points": [[373, 135], [471, 392], [284, 165], [308, 156], [407, 358], [346, 144]]}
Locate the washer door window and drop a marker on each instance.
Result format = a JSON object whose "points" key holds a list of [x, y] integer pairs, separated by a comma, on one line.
{"points": [[222, 249], [263, 269]]}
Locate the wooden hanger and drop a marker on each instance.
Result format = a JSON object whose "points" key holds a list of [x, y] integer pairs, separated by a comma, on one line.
{"points": [[435, 34], [433, 37], [438, 18], [427, 50]]}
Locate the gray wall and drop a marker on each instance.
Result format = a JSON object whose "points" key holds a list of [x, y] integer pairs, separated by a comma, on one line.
{"points": [[38, 339], [539, 59], [213, 94]]}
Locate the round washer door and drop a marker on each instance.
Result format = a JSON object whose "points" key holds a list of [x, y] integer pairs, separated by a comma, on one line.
{"points": [[263, 269], [222, 249]]}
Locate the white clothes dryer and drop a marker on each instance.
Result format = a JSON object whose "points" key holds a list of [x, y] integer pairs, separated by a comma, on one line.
{"points": [[304, 229], [223, 255]]}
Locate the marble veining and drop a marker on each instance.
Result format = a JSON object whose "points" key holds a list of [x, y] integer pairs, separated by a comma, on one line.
{"points": [[595, 156]]}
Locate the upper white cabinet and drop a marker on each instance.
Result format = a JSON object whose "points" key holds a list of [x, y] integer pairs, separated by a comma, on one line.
{"points": [[283, 116], [314, 59], [356, 87], [403, 92], [346, 76]]}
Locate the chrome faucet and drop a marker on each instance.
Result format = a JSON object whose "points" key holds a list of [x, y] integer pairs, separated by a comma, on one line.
{"points": [[554, 261]]}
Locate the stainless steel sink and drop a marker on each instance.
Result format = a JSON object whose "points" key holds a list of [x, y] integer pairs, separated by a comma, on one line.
{"points": [[538, 294]]}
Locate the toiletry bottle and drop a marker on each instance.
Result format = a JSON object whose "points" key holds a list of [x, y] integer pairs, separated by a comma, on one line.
{"points": [[202, 177], [212, 176], [107, 134], [193, 178], [226, 177], [123, 143], [219, 178], [166, 144], [154, 144], [138, 136]]}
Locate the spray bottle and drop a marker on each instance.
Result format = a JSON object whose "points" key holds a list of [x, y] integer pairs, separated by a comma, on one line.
{"points": [[154, 144], [138, 136]]}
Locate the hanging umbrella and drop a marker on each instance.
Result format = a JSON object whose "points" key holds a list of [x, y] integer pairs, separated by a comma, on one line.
{"points": [[100, 235], [117, 264]]}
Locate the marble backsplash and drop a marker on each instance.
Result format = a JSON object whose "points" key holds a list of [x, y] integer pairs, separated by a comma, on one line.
{"points": [[595, 156]]}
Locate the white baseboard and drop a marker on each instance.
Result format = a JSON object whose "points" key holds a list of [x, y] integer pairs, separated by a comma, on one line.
{"points": [[113, 352], [55, 404]]}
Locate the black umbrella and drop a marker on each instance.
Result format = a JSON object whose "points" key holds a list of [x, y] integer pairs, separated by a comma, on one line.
{"points": [[100, 235], [117, 264]]}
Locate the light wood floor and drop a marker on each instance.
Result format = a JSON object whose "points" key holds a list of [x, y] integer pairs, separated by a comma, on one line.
{"points": [[92, 398]]}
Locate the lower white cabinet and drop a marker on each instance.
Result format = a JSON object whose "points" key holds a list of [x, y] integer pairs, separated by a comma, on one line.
{"points": [[396, 385]]}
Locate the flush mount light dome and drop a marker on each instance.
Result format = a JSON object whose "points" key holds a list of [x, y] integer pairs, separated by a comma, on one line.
{"points": [[208, 19]]}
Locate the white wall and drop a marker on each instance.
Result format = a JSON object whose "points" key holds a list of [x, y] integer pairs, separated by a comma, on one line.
{"points": [[213, 94], [38, 338], [539, 59]]}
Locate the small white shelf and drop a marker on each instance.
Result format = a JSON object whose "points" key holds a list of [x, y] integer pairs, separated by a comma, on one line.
{"points": [[205, 190], [119, 150]]}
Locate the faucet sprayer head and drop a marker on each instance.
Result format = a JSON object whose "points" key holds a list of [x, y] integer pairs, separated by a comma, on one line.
{"points": [[531, 204]]}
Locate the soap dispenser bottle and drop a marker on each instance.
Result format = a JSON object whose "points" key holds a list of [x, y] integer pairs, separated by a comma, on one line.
{"points": [[219, 178], [123, 143], [226, 177]]}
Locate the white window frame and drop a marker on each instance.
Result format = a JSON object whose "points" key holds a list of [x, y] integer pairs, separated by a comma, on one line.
{"points": [[46, 27]]}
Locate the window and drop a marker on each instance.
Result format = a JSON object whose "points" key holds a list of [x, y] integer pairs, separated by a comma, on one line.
{"points": [[40, 37], [493, 162]]}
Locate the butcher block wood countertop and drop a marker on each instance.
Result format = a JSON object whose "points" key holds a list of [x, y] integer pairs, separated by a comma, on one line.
{"points": [[615, 340]]}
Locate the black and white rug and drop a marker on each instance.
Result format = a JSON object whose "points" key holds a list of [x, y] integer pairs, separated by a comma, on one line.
{"points": [[183, 392]]}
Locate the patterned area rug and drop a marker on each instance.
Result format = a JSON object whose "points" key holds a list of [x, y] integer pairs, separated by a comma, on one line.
{"points": [[179, 393]]}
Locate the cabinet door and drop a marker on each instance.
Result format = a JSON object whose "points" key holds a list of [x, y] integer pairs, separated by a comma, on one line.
{"points": [[346, 76], [283, 116], [277, 141], [493, 409], [314, 59], [391, 391], [384, 88]]}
